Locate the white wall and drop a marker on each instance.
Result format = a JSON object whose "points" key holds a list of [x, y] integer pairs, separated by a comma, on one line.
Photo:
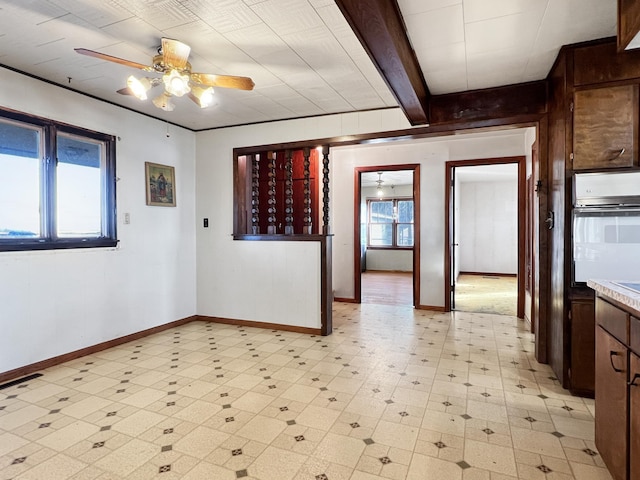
{"points": [[432, 155], [390, 260], [55, 302], [386, 260], [266, 281], [488, 229]]}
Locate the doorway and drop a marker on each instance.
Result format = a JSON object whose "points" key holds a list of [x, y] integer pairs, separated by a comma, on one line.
{"points": [[387, 234], [485, 235]]}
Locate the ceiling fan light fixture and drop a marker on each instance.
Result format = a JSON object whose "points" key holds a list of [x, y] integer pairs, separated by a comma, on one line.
{"points": [[204, 96], [163, 101], [175, 83], [139, 86]]}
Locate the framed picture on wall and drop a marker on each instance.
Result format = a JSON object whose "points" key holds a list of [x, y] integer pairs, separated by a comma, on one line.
{"points": [[161, 184]]}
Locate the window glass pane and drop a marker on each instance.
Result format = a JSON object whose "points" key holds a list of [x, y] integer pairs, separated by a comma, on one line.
{"points": [[404, 235], [79, 187], [405, 211], [381, 234], [20, 174], [381, 212]]}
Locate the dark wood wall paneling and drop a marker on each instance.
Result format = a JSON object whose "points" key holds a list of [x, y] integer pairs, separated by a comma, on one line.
{"points": [[628, 22], [601, 63], [579, 69], [509, 101], [554, 332]]}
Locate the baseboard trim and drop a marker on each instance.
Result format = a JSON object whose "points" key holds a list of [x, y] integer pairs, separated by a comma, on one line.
{"points": [[431, 307], [492, 274], [265, 325], [53, 361], [344, 300]]}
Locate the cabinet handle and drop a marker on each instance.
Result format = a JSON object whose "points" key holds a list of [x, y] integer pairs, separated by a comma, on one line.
{"points": [[612, 354], [618, 155], [633, 383]]}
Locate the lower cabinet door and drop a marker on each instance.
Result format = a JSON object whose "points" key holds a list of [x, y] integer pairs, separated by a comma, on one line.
{"points": [[634, 405], [611, 403]]}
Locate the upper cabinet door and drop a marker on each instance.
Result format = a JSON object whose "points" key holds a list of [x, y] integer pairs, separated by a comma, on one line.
{"points": [[605, 128]]}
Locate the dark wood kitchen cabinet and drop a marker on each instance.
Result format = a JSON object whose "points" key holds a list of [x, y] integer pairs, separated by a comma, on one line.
{"points": [[618, 388], [634, 414], [582, 346], [605, 127], [611, 402]]}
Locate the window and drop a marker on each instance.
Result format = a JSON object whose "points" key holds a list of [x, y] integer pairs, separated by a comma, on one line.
{"points": [[390, 223], [58, 185]]}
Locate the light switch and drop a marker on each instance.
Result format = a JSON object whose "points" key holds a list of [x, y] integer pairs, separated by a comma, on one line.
{"points": [[127, 218]]}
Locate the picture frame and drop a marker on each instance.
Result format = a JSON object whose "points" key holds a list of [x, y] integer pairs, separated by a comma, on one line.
{"points": [[161, 184]]}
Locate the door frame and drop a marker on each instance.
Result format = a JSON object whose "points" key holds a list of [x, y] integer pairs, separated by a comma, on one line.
{"points": [[522, 189], [357, 193]]}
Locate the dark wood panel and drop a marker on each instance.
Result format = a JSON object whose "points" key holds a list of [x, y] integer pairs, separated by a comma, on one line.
{"points": [[556, 332], [242, 189], [540, 305], [602, 63], [634, 334], [583, 346], [611, 403], [613, 320], [51, 362], [326, 286], [628, 22], [605, 127], [379, 26], [634, 421], [523, 98]]}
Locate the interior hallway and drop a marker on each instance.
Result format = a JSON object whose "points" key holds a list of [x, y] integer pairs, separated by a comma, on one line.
{"points": [[393, 393]]}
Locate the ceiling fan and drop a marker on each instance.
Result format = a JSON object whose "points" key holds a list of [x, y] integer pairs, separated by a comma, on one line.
{"points": [[177, 77]]}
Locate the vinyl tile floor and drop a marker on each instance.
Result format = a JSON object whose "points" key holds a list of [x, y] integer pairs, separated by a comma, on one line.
{"points": [[393, 393]]}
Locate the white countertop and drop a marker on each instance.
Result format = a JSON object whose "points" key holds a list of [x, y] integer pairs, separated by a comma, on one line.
{"points": [[611, 289]]}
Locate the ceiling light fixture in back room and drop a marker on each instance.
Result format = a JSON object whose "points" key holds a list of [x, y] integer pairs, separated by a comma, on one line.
{"points": [[177, 78], [379, 187]]}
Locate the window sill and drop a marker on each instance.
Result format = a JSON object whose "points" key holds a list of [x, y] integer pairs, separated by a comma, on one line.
{"points": [[28, 245]]}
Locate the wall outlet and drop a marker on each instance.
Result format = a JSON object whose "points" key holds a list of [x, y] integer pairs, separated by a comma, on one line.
{"points": [[127, 218]]}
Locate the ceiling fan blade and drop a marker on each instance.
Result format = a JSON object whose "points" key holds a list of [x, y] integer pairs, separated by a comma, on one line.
{"points": [[224, 81], [174, 53], [109, 58]]}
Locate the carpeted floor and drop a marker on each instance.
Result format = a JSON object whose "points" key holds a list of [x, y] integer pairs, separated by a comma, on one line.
{"points": [[486, 294]]}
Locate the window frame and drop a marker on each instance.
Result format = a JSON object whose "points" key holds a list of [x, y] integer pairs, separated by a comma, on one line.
{"points": [[394, 224], [48, 239]]}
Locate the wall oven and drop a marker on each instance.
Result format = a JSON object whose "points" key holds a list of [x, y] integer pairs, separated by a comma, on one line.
{"points": [[606, 227]]}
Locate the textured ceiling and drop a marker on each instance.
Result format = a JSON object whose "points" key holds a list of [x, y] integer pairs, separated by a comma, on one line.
{"points": [[301, 54], [472, 44]]}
